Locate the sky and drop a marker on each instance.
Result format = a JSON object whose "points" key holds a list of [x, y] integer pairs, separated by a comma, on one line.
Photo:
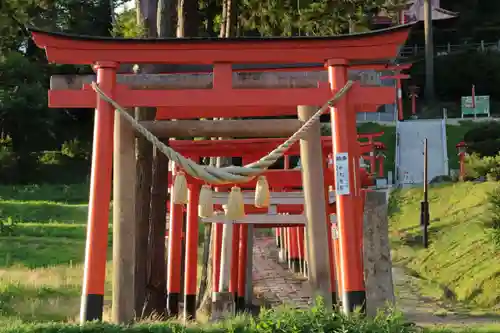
{"points": [[128, 4]]}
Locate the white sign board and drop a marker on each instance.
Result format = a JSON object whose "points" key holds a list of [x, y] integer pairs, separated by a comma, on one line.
{"points": [[342, 174]]}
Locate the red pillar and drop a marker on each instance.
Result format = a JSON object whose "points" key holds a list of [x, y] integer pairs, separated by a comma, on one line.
{"points": [[413, 104], [233, 281], [331, 255], [344, 130], [302, 248], [191, 253], [242, 264], [294, 250], [462, 165], [174, 258], [381, 166], [100, 193], [400, 100]]}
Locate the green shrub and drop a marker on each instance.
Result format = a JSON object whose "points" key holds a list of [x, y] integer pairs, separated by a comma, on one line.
{"points": [[487, 167], [279, 320]]}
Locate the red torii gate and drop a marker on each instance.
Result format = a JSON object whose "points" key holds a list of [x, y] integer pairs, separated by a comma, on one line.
{"points": [[249, 150], [338, 53]]}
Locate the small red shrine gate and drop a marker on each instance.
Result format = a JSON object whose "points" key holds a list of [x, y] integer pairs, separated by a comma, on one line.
{"points": [[339, 53]]}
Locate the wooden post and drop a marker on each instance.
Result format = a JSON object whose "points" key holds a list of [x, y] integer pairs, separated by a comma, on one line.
{"points": [[123, 309], [223, 299], [315, 207], [377, 253]]}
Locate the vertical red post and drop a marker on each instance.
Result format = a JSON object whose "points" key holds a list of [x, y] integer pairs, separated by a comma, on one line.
{"points": [[373, 165], [462, 165], [331, 255], [233, 282], [353, 138], [191, 253], [217, 247], [174, 258], [277, 235], [344, 130], [413, 104], [242, 265], [92, 301], [336, 253], [294, 250], [400, 99], [302, 248], [381, 172]]}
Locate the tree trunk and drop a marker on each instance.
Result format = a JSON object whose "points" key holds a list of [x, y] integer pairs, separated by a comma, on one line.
{"points": [[188, 18], [157, 229], [155, 16], [228, 19]]}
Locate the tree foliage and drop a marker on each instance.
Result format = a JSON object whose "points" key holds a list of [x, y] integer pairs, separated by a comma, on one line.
{"points": [[32, 128]]}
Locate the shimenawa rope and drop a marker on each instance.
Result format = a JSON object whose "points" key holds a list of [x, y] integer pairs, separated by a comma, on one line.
{"points": [[230, 174]]}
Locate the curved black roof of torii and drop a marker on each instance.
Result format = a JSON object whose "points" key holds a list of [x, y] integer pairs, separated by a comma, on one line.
{"points": [[218, 39], [178, 68]]}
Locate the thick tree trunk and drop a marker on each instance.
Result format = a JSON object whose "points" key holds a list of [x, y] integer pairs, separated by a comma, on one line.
{"points": [[156, 18], [157, 230], [143, 197], [188, 18], [159, 190]]}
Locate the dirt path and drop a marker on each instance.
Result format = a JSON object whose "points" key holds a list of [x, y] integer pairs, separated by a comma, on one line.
{"points": [[274, 284], [426, 311]]}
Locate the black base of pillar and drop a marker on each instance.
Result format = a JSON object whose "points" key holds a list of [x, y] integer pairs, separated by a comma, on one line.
{"points": [[295, 263], [240, 304], [94, 305], [190, 307], [278, 243], [355, 300], [335, 300], [173, 304]]}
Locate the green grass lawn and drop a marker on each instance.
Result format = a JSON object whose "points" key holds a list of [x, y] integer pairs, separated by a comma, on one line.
{"points": [[461, 265], [41, 259]]}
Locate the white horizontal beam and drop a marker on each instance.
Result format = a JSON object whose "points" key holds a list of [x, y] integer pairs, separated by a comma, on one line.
{"points": [[263, 219], [277, 198], [260, 219]]}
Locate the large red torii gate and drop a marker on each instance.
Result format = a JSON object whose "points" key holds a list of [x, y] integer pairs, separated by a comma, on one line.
{"points": [[221, 100]]}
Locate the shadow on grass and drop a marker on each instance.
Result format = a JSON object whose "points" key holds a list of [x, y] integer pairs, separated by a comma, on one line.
{"points": [[33, 211], [75, 193], [34, 252], [50, 230]]}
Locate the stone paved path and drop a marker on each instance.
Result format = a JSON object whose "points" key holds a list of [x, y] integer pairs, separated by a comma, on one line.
{"points": [[274, 285], [273, 282]]}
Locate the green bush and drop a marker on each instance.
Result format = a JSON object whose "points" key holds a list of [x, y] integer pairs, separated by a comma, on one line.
{"points": [[487, 167], [279, 320]]}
